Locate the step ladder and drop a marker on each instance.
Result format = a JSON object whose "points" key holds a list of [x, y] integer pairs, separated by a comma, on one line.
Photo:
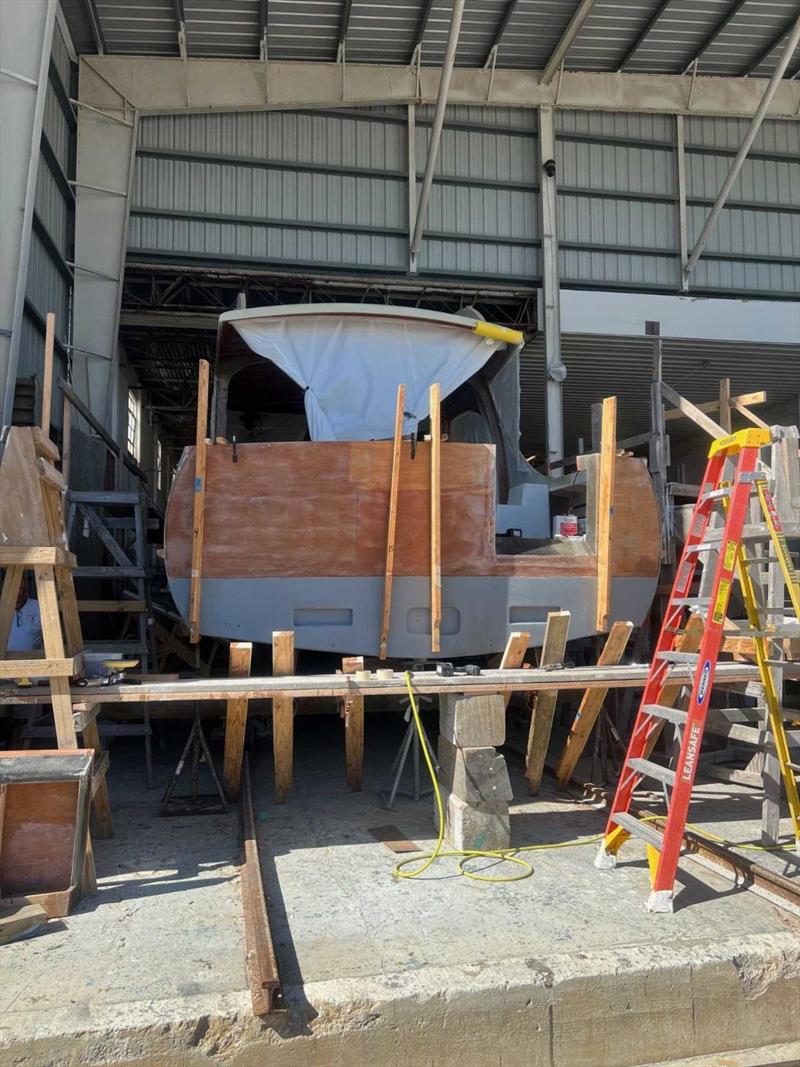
{"points": [[726, 552]]}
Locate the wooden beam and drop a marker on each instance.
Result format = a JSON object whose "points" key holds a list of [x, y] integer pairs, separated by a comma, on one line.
{"points": [[353, 715], [691, 411], [725, 404], [283, 714], [436, 515], [198, 520], [748, 414], [236, 720], [112, 606], [514, 653], [591, 705], [626, 676], [544, 704], [262, 966], [47, 377], [392, 522], [605, 509], [101, 802], [710, 406]]}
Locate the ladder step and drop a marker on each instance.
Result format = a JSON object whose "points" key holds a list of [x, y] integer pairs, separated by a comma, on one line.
{"points": [[716, 494], [691, 601], [103, 496], [678, 657], [662, 711], [652, 770], [637, 828], [754, 561]]}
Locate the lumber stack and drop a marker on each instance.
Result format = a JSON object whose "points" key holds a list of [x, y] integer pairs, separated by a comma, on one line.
{"points": [[473, 777]]}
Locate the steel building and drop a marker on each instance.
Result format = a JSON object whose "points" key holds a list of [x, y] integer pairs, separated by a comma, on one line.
{"points": [[163, 159]]}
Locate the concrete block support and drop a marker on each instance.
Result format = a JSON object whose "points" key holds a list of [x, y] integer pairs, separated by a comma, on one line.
{"points": [[475, 827], [472, 722], [26, 38], [475, 775], [106, 156]]}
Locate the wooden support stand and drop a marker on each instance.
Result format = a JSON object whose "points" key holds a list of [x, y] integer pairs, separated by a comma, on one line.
{"points": [[236, 721], [544, 703], [283, 714], [436, 516], [353, 714]]}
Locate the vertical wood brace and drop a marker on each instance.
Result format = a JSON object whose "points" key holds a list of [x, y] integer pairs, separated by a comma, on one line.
{"points": [[392, 522], [605, 512], [198, 519], [236, 721], [436, 516], [283, 714], [544, 703]]}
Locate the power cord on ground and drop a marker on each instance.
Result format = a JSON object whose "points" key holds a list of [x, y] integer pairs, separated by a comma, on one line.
{"points": [[509, 855]]}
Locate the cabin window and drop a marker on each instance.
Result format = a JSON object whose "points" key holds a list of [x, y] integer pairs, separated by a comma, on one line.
{"points": [[264, 404], [133, 437]]}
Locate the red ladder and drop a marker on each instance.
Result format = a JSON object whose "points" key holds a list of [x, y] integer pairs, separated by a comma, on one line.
{"points": [[743, 448]]}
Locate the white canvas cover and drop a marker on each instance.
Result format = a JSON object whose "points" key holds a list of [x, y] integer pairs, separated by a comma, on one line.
{"points": [[351, 361]]}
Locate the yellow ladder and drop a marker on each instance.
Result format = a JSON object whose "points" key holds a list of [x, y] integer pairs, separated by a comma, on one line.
{"points": [[764, 633]]}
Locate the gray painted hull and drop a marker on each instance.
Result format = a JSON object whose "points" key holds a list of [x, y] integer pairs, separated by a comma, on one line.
{"points": [[343, 615]]}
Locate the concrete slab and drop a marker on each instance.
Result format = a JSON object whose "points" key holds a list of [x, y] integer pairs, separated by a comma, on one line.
{"points": [[565, 968]]}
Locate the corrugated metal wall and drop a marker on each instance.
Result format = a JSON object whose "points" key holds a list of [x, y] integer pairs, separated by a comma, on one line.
{"points": [[329, 190], [619, 204], [49, 283]]}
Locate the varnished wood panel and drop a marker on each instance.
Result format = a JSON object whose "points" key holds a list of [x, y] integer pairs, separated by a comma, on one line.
{"points": [[38, 837], [320, 509]]}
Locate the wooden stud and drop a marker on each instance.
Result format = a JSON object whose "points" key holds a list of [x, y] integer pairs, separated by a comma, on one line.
{"points": [[591, 704], [283, 714], [101, 802], [392, 524], [605, 510], [353, 715], [8, 600], [514, 654], [691, 411], [54, 649], [725, 404], [436, 515], [544, 703], [47, 378], [236, 720], [198, 520], [711, 406]]}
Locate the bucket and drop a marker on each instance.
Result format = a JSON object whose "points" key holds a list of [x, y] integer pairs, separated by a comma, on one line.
{"points": [[565, 526]]}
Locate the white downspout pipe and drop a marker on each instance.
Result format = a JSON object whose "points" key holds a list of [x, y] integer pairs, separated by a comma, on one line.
{"points": [[436, 131]]}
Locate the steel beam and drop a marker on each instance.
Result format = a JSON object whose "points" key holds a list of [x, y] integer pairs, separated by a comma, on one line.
{"points": [[551, 289], [719, 28], [106, 157], [637, 44], [180, 19], [422, 25], [753, 64], [741, 155], [96, 26], [436, 129], [511, 7], [574, 27], [26, 37], [172, 86]]}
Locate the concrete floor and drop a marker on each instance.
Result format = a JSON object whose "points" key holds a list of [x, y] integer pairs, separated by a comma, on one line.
{"points": [[564, 969]]}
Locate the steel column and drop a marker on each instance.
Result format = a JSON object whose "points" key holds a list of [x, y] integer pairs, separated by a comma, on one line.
{"points": [[436, 130], [550, 300], [26, 38]]}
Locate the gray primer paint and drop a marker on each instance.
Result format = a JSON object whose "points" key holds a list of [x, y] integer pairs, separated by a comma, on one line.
{"points": [[343, 614]]}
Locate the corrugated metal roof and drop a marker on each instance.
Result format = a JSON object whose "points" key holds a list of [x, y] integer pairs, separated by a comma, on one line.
{"points": [[726, 37]]}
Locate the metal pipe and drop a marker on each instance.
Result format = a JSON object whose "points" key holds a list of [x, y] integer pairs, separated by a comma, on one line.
{"points": [[438, 122], [741, 155]]}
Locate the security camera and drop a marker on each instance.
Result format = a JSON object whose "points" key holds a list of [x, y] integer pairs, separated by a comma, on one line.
{"points": [[549, 167]]}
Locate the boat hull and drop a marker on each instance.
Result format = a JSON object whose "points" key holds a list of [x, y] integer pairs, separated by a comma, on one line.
{"points": [[343, 615]]}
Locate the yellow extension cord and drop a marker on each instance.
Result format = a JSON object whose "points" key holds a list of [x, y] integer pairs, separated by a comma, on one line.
{"points": [[508, 855]]}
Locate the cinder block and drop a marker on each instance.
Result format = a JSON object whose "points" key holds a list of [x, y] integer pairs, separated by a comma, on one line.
{"points": [[474, 827], [472, 722], [476, 775]]}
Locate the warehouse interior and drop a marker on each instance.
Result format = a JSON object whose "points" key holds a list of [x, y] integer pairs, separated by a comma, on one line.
{"points": [[541, 261]]}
